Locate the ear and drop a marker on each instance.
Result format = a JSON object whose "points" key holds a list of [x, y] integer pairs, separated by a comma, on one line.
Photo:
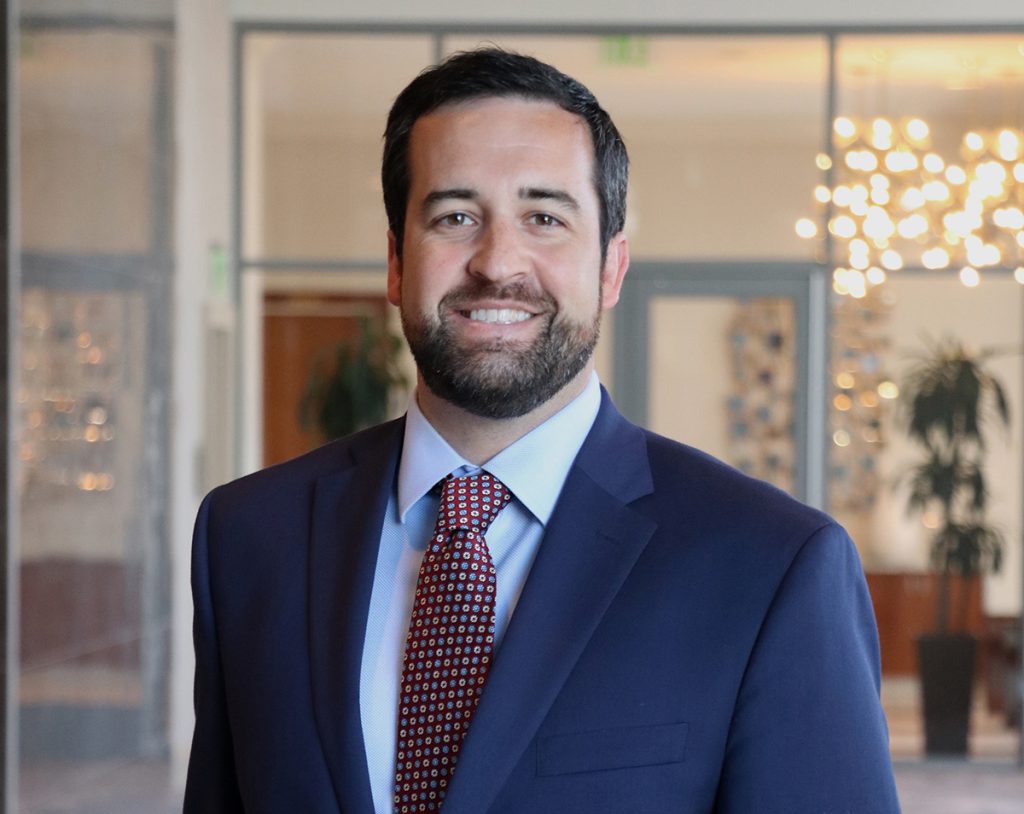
{"points": [[616, 263], [394, 271]]}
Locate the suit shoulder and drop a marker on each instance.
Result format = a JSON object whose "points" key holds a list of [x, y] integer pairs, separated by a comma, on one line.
{"points": [[296, 477], [693, 478]]}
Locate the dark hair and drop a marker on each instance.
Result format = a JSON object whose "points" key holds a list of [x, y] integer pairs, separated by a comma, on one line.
{"points": [[491, 72]]}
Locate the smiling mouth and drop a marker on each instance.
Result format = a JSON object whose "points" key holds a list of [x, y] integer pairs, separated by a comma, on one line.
{"points": [[497, 316]]}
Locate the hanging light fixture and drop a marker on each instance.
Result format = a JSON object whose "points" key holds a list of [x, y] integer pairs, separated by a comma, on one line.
{"points": [[898, 202]]}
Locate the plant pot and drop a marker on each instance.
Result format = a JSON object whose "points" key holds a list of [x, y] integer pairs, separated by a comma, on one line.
{"points": [[946, 663]]}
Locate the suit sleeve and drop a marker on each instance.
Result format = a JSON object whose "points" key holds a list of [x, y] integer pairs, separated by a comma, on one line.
{"points": [[808, 733], [211, 787]]}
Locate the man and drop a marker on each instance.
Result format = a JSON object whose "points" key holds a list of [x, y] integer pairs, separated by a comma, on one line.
{"points": [[601, 620]]}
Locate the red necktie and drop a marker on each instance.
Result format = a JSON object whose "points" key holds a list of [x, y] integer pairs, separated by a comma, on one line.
{"points": [[451, 636]]}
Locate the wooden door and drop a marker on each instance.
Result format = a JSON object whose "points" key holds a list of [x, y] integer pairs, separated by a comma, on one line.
{"points": [[298, 329]]}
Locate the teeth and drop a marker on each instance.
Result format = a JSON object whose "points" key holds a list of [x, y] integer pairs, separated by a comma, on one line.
{"points": [[501, 316]]}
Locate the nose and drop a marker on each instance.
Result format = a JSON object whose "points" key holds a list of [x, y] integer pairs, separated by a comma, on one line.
{"points": [[500, 255]]}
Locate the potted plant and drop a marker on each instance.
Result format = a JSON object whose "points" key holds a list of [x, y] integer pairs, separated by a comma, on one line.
{"points": [[352, 390], [951, 399]]}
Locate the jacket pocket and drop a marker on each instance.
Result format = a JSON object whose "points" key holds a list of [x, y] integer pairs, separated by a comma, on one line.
{"points": [[603, 749]]}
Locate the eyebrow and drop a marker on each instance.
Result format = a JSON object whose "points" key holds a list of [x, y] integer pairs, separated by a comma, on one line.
{"points": [[525, 193], [456, 194], [544, 194]]}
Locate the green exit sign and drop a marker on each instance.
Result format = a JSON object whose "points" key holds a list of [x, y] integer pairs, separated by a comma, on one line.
{"points": [[624, 50]]}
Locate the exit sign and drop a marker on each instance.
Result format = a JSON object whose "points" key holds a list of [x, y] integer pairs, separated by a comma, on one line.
{"points": [[624, 50]]}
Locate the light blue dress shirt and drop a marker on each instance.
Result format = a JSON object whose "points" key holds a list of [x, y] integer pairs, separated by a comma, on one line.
{"points": [[534, 469]]}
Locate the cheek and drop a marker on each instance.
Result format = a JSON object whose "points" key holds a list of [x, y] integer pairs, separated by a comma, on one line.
{"points": [[576, 279], [426, 280]]}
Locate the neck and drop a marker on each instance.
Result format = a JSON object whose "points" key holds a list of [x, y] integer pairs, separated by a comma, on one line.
{"points": [[478, 439]]}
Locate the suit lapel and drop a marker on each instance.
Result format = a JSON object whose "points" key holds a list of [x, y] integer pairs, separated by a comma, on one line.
{"points": [[592, 542], [348, 512]]}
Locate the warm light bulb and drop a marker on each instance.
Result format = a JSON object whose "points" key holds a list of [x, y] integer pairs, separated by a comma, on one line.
{"points": [[969, 277], [900, 160], [806, 228], [881, 134], [934, 163], [842, 402], [912, 226], [869, 398], [822, 194], [841, 438], [863, 160], [1018, 172], [843, 226], [955, 175], [875, 275], [845, 381], [839, 282], [823, 161], [857, 284], [1009, 218], [991, 171], [981, 190], [958, 223], [878, 224], [917, 130], [912, 198], [1018, 274], [974, 142], [892, 260], [841, 196], [935, 191], [880, 196], [975, 251], [935, 258], [1008, 145], [845, 127], [888, 390]]}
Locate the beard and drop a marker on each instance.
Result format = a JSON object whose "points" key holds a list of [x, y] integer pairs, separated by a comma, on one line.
{"points": [[500, 379]]}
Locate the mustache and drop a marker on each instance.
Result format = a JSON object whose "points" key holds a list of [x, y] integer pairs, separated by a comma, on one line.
{"points": [[470, 292]]}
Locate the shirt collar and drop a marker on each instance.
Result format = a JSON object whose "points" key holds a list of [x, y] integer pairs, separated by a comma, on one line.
{"points": [[534, 467]]}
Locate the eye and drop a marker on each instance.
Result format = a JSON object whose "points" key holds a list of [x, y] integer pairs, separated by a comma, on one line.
{"points": [[455, 219], [544, 219]]}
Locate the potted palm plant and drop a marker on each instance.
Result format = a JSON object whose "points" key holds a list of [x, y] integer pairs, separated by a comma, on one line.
{"points": [[353, 389], [951, 399]]}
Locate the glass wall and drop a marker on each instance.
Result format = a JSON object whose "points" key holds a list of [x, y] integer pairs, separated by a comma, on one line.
{"points": [[90, 411]]}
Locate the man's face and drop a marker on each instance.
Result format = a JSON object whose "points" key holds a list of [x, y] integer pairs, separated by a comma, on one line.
{"points": [[501, 284]]}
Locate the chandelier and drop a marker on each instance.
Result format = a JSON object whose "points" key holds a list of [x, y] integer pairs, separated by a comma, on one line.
{"points": [[897, 202]]}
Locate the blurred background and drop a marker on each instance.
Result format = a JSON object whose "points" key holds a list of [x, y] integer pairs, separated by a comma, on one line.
{"points": [[827, 291]]}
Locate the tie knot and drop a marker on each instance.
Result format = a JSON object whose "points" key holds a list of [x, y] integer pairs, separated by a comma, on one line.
{"points": [[471, 502]]}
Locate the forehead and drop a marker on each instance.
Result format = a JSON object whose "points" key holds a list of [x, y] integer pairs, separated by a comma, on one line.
{"points": [[503, 135]]}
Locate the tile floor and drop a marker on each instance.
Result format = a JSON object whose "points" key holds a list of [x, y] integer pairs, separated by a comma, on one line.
{"points": [[947, 789]]}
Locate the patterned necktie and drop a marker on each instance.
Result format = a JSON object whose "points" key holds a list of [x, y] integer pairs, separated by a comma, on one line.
{"points": [[448, 649]]}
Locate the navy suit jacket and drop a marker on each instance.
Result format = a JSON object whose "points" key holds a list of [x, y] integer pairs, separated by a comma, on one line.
{"points": [[688, 640]]}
